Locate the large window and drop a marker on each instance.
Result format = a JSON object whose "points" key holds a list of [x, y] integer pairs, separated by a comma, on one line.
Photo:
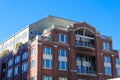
{"points": [[62, 38], [24, 55], [63, 62], [118, 67], [9, 73], [47, 58], [10, 62], [17, 59], [24, 66], [16, 70], [46, 78], [32, 64], [107, 66], [85, 64], [106, 46]]}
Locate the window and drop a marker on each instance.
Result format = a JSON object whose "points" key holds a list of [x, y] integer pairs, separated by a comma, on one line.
{"points": [[47, 50], [107, 59], [17, 59], [62, 52], [9, 74], [62, 78], [35, 33], [47, 58], [46, 78], [106, 46], [16, 70], [10, 62], [47, 63], [62, 38], [107, 65], [32, 63], [24, 66], [117, 61], [63, 62], [32, 78], [32, 51], [25, 56], [118, 67]]}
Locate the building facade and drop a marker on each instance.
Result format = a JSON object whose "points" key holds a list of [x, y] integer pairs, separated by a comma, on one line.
{"points": [[58, 49]]}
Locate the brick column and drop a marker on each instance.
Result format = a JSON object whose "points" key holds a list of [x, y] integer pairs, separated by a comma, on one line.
{"points": [[99, 58], [39, 61], [72, 65], [55, 62], [113, 65]]}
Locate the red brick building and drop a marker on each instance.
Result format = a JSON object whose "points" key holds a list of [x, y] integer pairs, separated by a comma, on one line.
{"points": [[58, 49]]}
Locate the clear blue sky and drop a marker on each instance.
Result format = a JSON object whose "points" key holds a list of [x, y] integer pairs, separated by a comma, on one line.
{"points": [[104, 15]]}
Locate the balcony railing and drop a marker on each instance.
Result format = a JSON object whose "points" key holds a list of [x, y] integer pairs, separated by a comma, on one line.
{"points": [[84, 44], [43, 38]]}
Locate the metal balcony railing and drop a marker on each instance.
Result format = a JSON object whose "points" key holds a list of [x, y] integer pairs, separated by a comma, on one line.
{"points": [[84, 44]]}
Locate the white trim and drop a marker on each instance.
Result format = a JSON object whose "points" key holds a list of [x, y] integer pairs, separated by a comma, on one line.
{"points": [[46, 56], [55, 46], [39, 43], [107, 64], [85, 28], [61, 58], [98, 35], [117, 65], [84, 36], [73, 70], [87, 74], [100, 73], [69, 48]]}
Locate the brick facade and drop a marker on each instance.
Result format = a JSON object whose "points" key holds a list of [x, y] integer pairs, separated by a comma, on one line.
{"points": [[96, 54]]}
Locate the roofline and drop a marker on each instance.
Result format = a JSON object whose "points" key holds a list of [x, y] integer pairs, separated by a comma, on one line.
{"points": [[62, 18]]}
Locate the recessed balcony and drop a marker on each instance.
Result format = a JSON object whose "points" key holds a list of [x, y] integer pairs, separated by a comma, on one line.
{"points": [[85, 42], [84, 38]]}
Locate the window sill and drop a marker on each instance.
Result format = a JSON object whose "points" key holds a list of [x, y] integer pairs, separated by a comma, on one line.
{"points": [[62, 42], [63, 69], [87, 74], [108, 74], [31, 68], [46, 68]]}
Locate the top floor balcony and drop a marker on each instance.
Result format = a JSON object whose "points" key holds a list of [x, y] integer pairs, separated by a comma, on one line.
{"points": [[84, 38]]}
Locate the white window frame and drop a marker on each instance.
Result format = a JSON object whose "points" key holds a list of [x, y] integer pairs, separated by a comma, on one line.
{"points": [[47, 55], [32, 51], [65, 38], [62, 78], [24, 55], [17, 59], [106, 46], [46, 77], [107, 65], [10, 62], [24, 66], [62, 59], [16, 70], [9, 73], [32, 64]]}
